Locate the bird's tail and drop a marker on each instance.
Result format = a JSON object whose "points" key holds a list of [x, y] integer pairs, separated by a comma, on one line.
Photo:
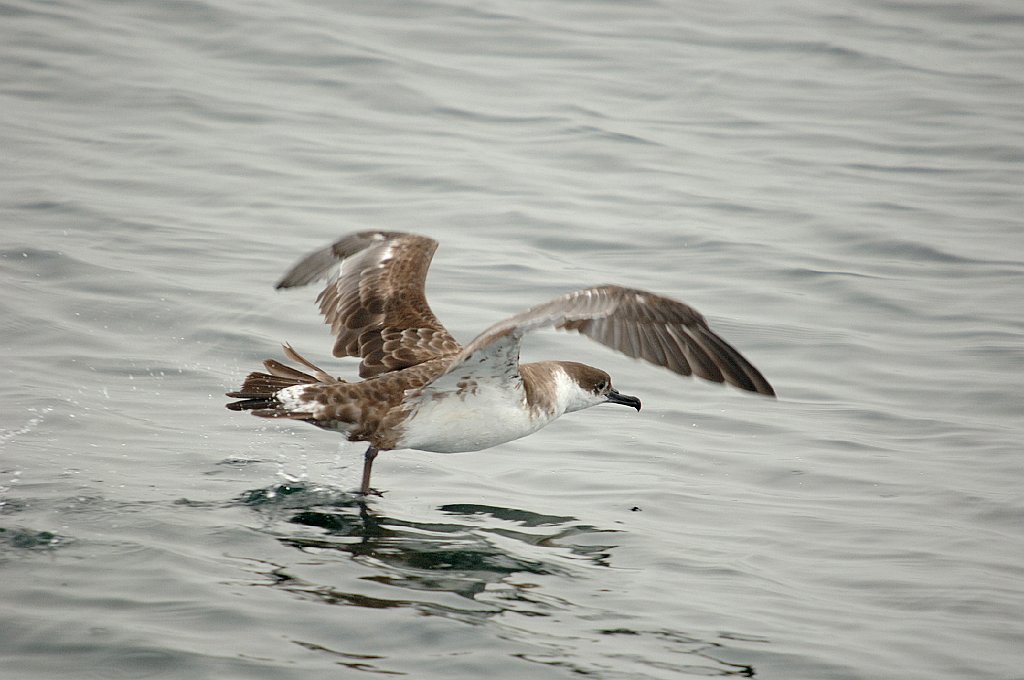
{"points": [[258, 392]]}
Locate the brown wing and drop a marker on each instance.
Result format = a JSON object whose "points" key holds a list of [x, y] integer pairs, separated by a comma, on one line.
{"points": [[637, 323], [376, 304]]}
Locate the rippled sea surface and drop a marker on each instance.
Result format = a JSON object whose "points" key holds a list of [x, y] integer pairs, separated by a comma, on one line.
{"points": [[839, 187]]}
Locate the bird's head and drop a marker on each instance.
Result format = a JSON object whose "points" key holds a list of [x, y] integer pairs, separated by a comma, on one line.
{"points": [[592, 386]]}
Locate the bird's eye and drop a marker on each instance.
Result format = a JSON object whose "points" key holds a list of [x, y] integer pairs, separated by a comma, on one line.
{"points": [[602, 386]]}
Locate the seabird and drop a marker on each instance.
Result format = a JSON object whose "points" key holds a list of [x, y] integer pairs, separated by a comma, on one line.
{"points": [[422, 390]]}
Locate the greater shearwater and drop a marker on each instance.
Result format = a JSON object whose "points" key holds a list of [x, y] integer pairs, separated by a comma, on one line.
{"points": [[422, 390]]}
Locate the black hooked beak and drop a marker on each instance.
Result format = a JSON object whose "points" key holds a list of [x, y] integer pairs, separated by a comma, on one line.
{"points": [[615, 398]]}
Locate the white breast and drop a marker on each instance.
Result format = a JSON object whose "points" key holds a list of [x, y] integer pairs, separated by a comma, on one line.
{"points": [[470, 421]]}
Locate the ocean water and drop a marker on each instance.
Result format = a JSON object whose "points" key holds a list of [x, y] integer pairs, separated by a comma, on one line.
{"points": [[839, 187]]}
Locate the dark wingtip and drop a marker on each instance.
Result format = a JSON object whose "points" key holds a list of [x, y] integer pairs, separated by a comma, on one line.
{"points": [[759, 385]]}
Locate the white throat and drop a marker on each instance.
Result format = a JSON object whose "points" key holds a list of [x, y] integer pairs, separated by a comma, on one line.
{"points": [[569, 396]]}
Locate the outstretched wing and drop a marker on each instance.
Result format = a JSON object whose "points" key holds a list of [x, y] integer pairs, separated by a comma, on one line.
{"points": [[637, 323], [375, 301]]}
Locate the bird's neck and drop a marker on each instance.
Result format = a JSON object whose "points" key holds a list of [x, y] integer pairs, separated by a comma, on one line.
{"points": [[550, 391]]}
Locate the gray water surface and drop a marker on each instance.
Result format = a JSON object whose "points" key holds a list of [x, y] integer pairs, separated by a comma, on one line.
{"points": [[838, 187]]}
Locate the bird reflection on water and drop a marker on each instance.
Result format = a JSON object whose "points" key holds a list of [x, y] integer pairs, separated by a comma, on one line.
{"points": [[484, 556], [466, 551]]}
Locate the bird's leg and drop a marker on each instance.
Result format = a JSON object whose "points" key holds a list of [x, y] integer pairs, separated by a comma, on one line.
{"points": [[371, 453]]}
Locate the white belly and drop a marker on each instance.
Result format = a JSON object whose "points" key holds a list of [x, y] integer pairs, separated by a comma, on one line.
{"points": [[480, 421]]}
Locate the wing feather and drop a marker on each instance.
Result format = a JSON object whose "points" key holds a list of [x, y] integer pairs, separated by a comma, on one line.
{"points": [[640, 324], [375, 300]]}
